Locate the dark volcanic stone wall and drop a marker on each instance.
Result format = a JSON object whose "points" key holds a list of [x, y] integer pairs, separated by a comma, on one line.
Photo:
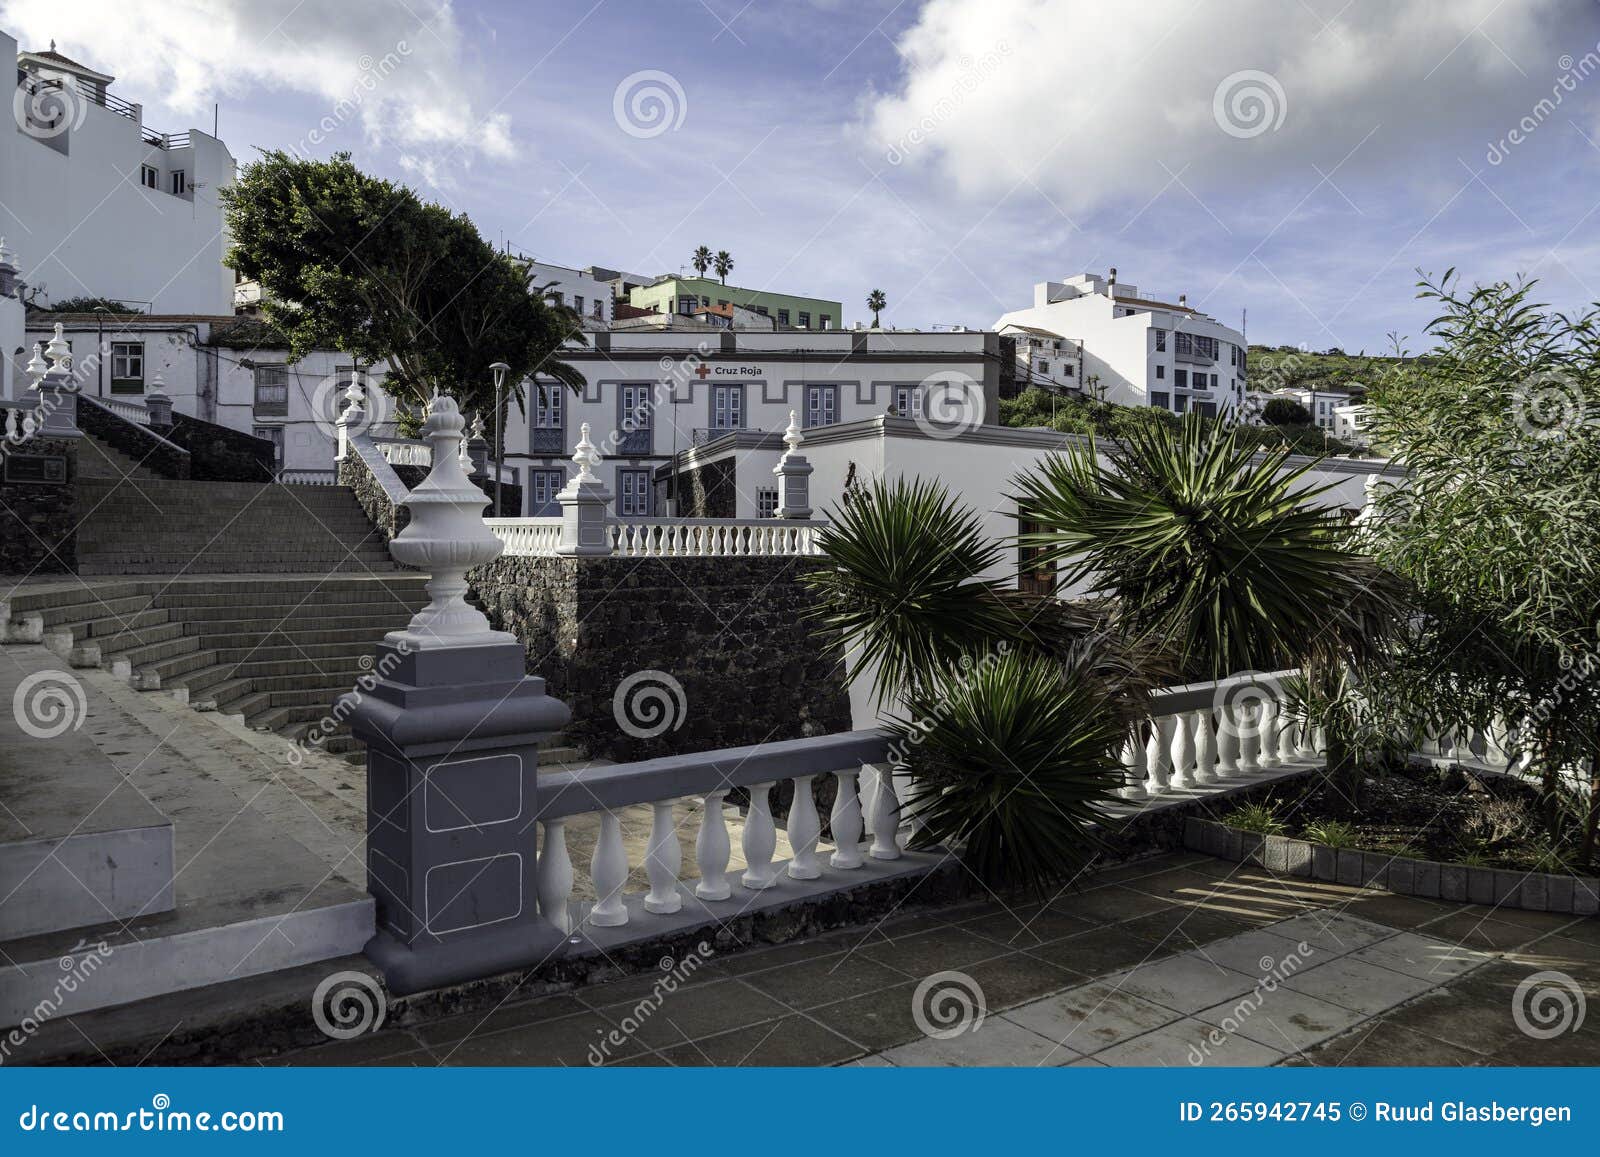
{"points": [[732, 632], [708, 491], [37, 527]]}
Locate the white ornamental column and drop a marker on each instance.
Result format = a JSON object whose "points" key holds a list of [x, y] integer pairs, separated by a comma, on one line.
{"points": [[794, 475], [584, 526]]}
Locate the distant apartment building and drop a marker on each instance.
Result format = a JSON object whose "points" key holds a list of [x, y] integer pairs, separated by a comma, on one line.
{"points": [[1130, 350], [686, 295], [98, 204], [591, 298]]}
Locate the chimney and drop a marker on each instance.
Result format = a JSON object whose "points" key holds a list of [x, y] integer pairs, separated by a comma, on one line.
{"points": [[1183, 301], [1111, 282]]}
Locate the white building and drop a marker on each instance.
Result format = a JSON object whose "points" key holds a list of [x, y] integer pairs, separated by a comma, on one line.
{"points": [[653, 394], [1320, 404], [98, 204], [233, 371], [1047, 360], [1135, 351], [590, 297]]}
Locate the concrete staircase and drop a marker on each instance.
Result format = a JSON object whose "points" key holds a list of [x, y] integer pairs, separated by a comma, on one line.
{"points": [[96, 459]]}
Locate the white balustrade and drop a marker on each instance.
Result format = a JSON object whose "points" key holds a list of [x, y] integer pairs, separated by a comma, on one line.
{"points": [[845, 822], [712, 849], [803, 830], [609, 871], [662, 860], [405, 453], [1183, 751], [555, 875], [760, 839], [132, 411], [885, 817], [527, 537]]}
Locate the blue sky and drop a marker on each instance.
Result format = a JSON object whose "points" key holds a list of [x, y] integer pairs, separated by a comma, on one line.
{"points": [[951, 152]]}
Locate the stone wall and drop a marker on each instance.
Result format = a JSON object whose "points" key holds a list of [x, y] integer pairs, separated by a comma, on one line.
{"points": [[731, 632], [148, 449], [708, 491], [37, 527], [220, 454]]}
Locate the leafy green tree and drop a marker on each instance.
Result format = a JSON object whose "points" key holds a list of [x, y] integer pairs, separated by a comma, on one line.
{"points": [[362, 265], [701, 260], [1498, 527], [90, 305], [723, 264], [877, 303], [1285, 412]]}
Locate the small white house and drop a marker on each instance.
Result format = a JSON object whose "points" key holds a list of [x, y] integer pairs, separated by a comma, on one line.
{"points": [[1134, 350]]}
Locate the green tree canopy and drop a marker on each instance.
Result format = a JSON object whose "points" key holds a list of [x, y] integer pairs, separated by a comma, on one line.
{"points": [[362, 265]]}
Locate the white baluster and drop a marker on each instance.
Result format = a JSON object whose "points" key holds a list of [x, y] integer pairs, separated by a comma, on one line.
{"points": [[662, 860], [711, 849], [1158, 751], [1205, 747], [1268, 753], [760, 839], [555, 875], [803, 829], [1136, 769], [869, 796], [885, 817], [609, 871], [1183, 750], [1286, 729], [1249, 737], [1227, 744], [846, 823], [1307, 743]]}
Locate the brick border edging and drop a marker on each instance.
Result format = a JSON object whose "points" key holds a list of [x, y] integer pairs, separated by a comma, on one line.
{"points": [[1427, 879]]}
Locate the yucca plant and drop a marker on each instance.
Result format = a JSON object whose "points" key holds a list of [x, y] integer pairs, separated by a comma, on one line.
{"points": [[1332, 833], [1013, 756], [1257, 817]]}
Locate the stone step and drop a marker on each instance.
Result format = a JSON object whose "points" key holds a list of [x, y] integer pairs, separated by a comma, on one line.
{"points": [[197, 604], [99, 460], [366, 634], [96, 565], [271, 614], [92, 608], [154, 633], [170, 649], [96, 628]]}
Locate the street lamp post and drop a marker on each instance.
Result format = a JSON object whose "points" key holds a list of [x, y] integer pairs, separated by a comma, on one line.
{"points": [[499, 369], [100, 312]]}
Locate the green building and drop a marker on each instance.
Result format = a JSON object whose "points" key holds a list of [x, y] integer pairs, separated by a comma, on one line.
{"points": [[686, 294]]}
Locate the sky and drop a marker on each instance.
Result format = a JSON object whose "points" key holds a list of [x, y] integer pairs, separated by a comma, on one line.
{"points": [[1297, 159]]}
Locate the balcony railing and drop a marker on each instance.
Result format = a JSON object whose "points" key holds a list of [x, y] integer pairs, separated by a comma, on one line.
{"points": [[669, 537]]}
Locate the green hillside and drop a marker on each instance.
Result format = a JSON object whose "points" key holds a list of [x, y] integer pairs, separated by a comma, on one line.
{"points": [[1286, 367]]}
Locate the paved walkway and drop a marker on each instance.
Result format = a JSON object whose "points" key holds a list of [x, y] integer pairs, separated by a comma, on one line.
{"points": [[1181, 960]]}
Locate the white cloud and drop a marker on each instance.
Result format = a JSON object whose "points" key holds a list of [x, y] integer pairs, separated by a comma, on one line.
{"points": [[401, 72], [1092, 101]]}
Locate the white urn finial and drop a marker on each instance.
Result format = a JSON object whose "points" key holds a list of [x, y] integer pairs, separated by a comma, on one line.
{"points": [[355, 402], [586, 456], [59, 352], [792, 437], [446, 537], [5, 254], [36, 367]]}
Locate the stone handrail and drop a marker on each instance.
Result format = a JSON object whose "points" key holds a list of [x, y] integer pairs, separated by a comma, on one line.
{"points": [[669, 537], [364, 468], [1201, 733], [140, 443], [661, 783], [527, 537], [132, 411]]}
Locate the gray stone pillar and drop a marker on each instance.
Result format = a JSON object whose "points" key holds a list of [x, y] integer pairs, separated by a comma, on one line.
{"points": [[452, 727], [55, 389], [584, 506], [159, 405], [794, 475]]}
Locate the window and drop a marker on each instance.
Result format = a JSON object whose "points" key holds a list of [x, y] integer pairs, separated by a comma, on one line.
{"points": [[822, 405], [1180, 378], [180, 184], [633, 423], [633, 493], [272, 392], [1213, 381], [1161, 340], [827, 321], [1044, 366], [727, 407], [1034, 576], [1067, 369], [577, 303], [149, 177], [273, 434], [543, 486], [783, 317], [722, 303], [686, 304], [767, 502], [1161, 372], [599, 309], [805, 320], [548, 433], [1180, 403], [127, 367], [908, 401], [1160, 398]]}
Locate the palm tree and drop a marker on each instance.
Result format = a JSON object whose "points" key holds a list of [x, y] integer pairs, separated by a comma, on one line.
{"points": [[701, 260], [723, 264], [877, 303]]}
